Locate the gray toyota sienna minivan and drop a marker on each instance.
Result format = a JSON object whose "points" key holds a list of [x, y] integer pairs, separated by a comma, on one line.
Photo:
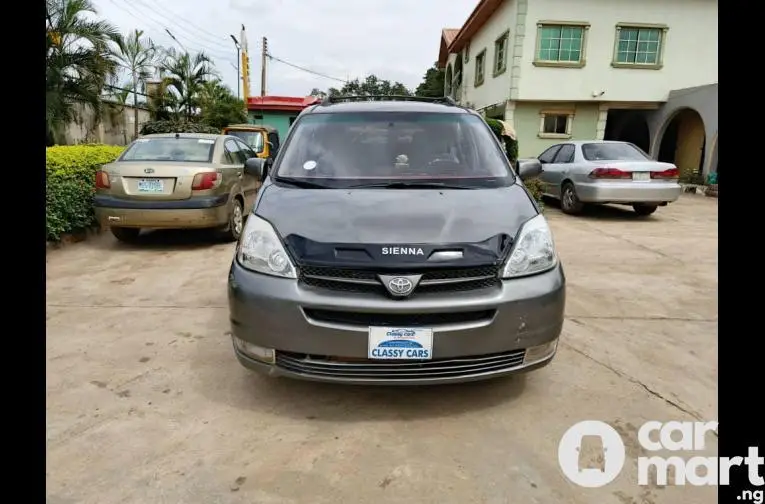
{"points": [[393, 243]]}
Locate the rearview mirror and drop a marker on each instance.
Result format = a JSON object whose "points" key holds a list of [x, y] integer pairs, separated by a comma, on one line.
{"points": [[256, 167], [529, 168]]}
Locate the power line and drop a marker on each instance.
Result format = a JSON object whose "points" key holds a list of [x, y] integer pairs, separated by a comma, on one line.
{"points": [[176, 19], [298, 67], [190, 42]]}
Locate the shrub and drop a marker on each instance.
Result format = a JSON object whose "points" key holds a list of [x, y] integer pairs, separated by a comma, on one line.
{"points": [[511, 149], [177, 126], [69, 186]]}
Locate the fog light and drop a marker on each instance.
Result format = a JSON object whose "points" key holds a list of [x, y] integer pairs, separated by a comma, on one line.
{"points": [[254, 351], [540, 352]]}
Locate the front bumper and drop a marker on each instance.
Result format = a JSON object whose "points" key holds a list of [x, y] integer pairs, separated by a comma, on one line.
{"points": [[628, 192], [276, 313], [200, 212]]}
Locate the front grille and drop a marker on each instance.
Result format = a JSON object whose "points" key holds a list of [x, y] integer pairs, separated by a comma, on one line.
{"points": [[366, 319], [432, 281], [369, 370]]}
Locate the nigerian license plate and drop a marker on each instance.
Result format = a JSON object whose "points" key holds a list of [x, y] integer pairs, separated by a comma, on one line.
{"points": [[641, 176], [151, 186], [399, 343]]}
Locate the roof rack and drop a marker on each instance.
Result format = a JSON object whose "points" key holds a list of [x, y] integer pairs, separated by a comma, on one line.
{"points": [[329, 100]]}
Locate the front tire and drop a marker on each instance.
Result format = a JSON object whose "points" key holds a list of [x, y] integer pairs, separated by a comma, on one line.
{"points": [[233, 229], [644, 210], [569, 201], [126, 235]]}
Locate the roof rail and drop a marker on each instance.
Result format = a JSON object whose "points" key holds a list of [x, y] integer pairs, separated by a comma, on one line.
{"points": [[329, 100]]}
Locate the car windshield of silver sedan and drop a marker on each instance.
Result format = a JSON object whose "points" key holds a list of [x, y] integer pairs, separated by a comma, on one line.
{"points": [[612, 152], [395, 150], [188, 150]]}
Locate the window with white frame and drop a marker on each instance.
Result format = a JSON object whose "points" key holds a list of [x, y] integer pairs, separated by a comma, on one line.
{"points": [[555, 124]]}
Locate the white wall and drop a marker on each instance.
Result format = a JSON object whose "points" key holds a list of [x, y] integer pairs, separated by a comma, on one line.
{"points": [[116, 126], [690, 52], [494, 89]]}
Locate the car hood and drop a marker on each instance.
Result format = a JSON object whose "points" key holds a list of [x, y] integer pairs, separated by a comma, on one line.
{"points": [[328, 225]]}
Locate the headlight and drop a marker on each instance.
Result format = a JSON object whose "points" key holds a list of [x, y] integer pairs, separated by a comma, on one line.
{"points": [[261, 250], [533, 251]]}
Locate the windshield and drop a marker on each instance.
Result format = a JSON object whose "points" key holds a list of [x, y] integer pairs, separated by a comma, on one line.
{"points": [[344, 150], [252, 138], [185, 149], [612, 152]]}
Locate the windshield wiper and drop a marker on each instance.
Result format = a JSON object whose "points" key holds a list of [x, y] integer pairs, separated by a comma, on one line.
{"points": [[307, 184], [410, 185]]}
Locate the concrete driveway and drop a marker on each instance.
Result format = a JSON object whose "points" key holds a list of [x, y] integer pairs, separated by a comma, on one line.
{"points": [[147, 404]]}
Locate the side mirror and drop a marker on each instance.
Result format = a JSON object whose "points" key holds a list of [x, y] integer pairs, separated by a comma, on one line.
{"points": [[256, 167], [529, 168]]}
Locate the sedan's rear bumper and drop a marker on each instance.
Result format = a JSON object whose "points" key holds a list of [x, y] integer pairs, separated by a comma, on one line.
{"points": [[201, 212], [628, 192]]}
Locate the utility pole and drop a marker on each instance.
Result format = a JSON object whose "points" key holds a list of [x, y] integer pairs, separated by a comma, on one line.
{"points": [[263, 56], [238, 71]]}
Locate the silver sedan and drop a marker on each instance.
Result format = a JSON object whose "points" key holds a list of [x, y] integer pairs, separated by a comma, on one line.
{"points": [[601, 171]]}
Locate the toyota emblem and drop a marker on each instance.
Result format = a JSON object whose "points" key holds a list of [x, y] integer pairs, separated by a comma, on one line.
{"points": [[400, 286]]}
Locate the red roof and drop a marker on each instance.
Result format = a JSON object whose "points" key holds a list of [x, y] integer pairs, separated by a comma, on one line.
{"points": [[284, 103], [447, 37]]}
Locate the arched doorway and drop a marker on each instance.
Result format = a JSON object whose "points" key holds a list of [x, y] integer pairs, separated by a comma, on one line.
{"points": [[683, 143], [448, 76]]}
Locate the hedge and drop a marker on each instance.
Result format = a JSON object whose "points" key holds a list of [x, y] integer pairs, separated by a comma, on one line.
{"points": [[179, 126], [70, 184], [511, 148]]}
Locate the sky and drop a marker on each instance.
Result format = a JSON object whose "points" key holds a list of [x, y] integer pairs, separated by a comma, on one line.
{"points": [[396, 40]]}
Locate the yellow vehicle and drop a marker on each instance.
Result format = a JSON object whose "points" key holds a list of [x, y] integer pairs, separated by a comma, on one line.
{"points": [[263, 139]]}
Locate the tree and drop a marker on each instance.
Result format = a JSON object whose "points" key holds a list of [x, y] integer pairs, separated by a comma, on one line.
{"points": [[185, 75], [432, 84], [78, 61], [162, 104], [136, 54], [318, 93], [219, 105], [370, 86]]}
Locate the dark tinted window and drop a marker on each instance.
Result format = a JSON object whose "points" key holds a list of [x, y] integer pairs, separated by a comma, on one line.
{"points": [[565, 154], [612, 152], [393, 146], [548, 155], [185, 149], [274, 139]]}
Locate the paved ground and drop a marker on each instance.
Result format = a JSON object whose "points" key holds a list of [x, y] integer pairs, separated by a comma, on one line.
{"points": [[146, 402]]}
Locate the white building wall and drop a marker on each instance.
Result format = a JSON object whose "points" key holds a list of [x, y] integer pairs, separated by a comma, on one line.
{"points": [[690, 52], [494, 90]]}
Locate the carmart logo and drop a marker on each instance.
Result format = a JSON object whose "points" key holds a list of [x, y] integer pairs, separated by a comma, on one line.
{"points": [[570, 451], [653, 436]]}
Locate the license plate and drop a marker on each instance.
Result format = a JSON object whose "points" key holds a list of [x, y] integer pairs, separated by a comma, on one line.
{"points": [[151, 186], [398, 343], [641, 176]]}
